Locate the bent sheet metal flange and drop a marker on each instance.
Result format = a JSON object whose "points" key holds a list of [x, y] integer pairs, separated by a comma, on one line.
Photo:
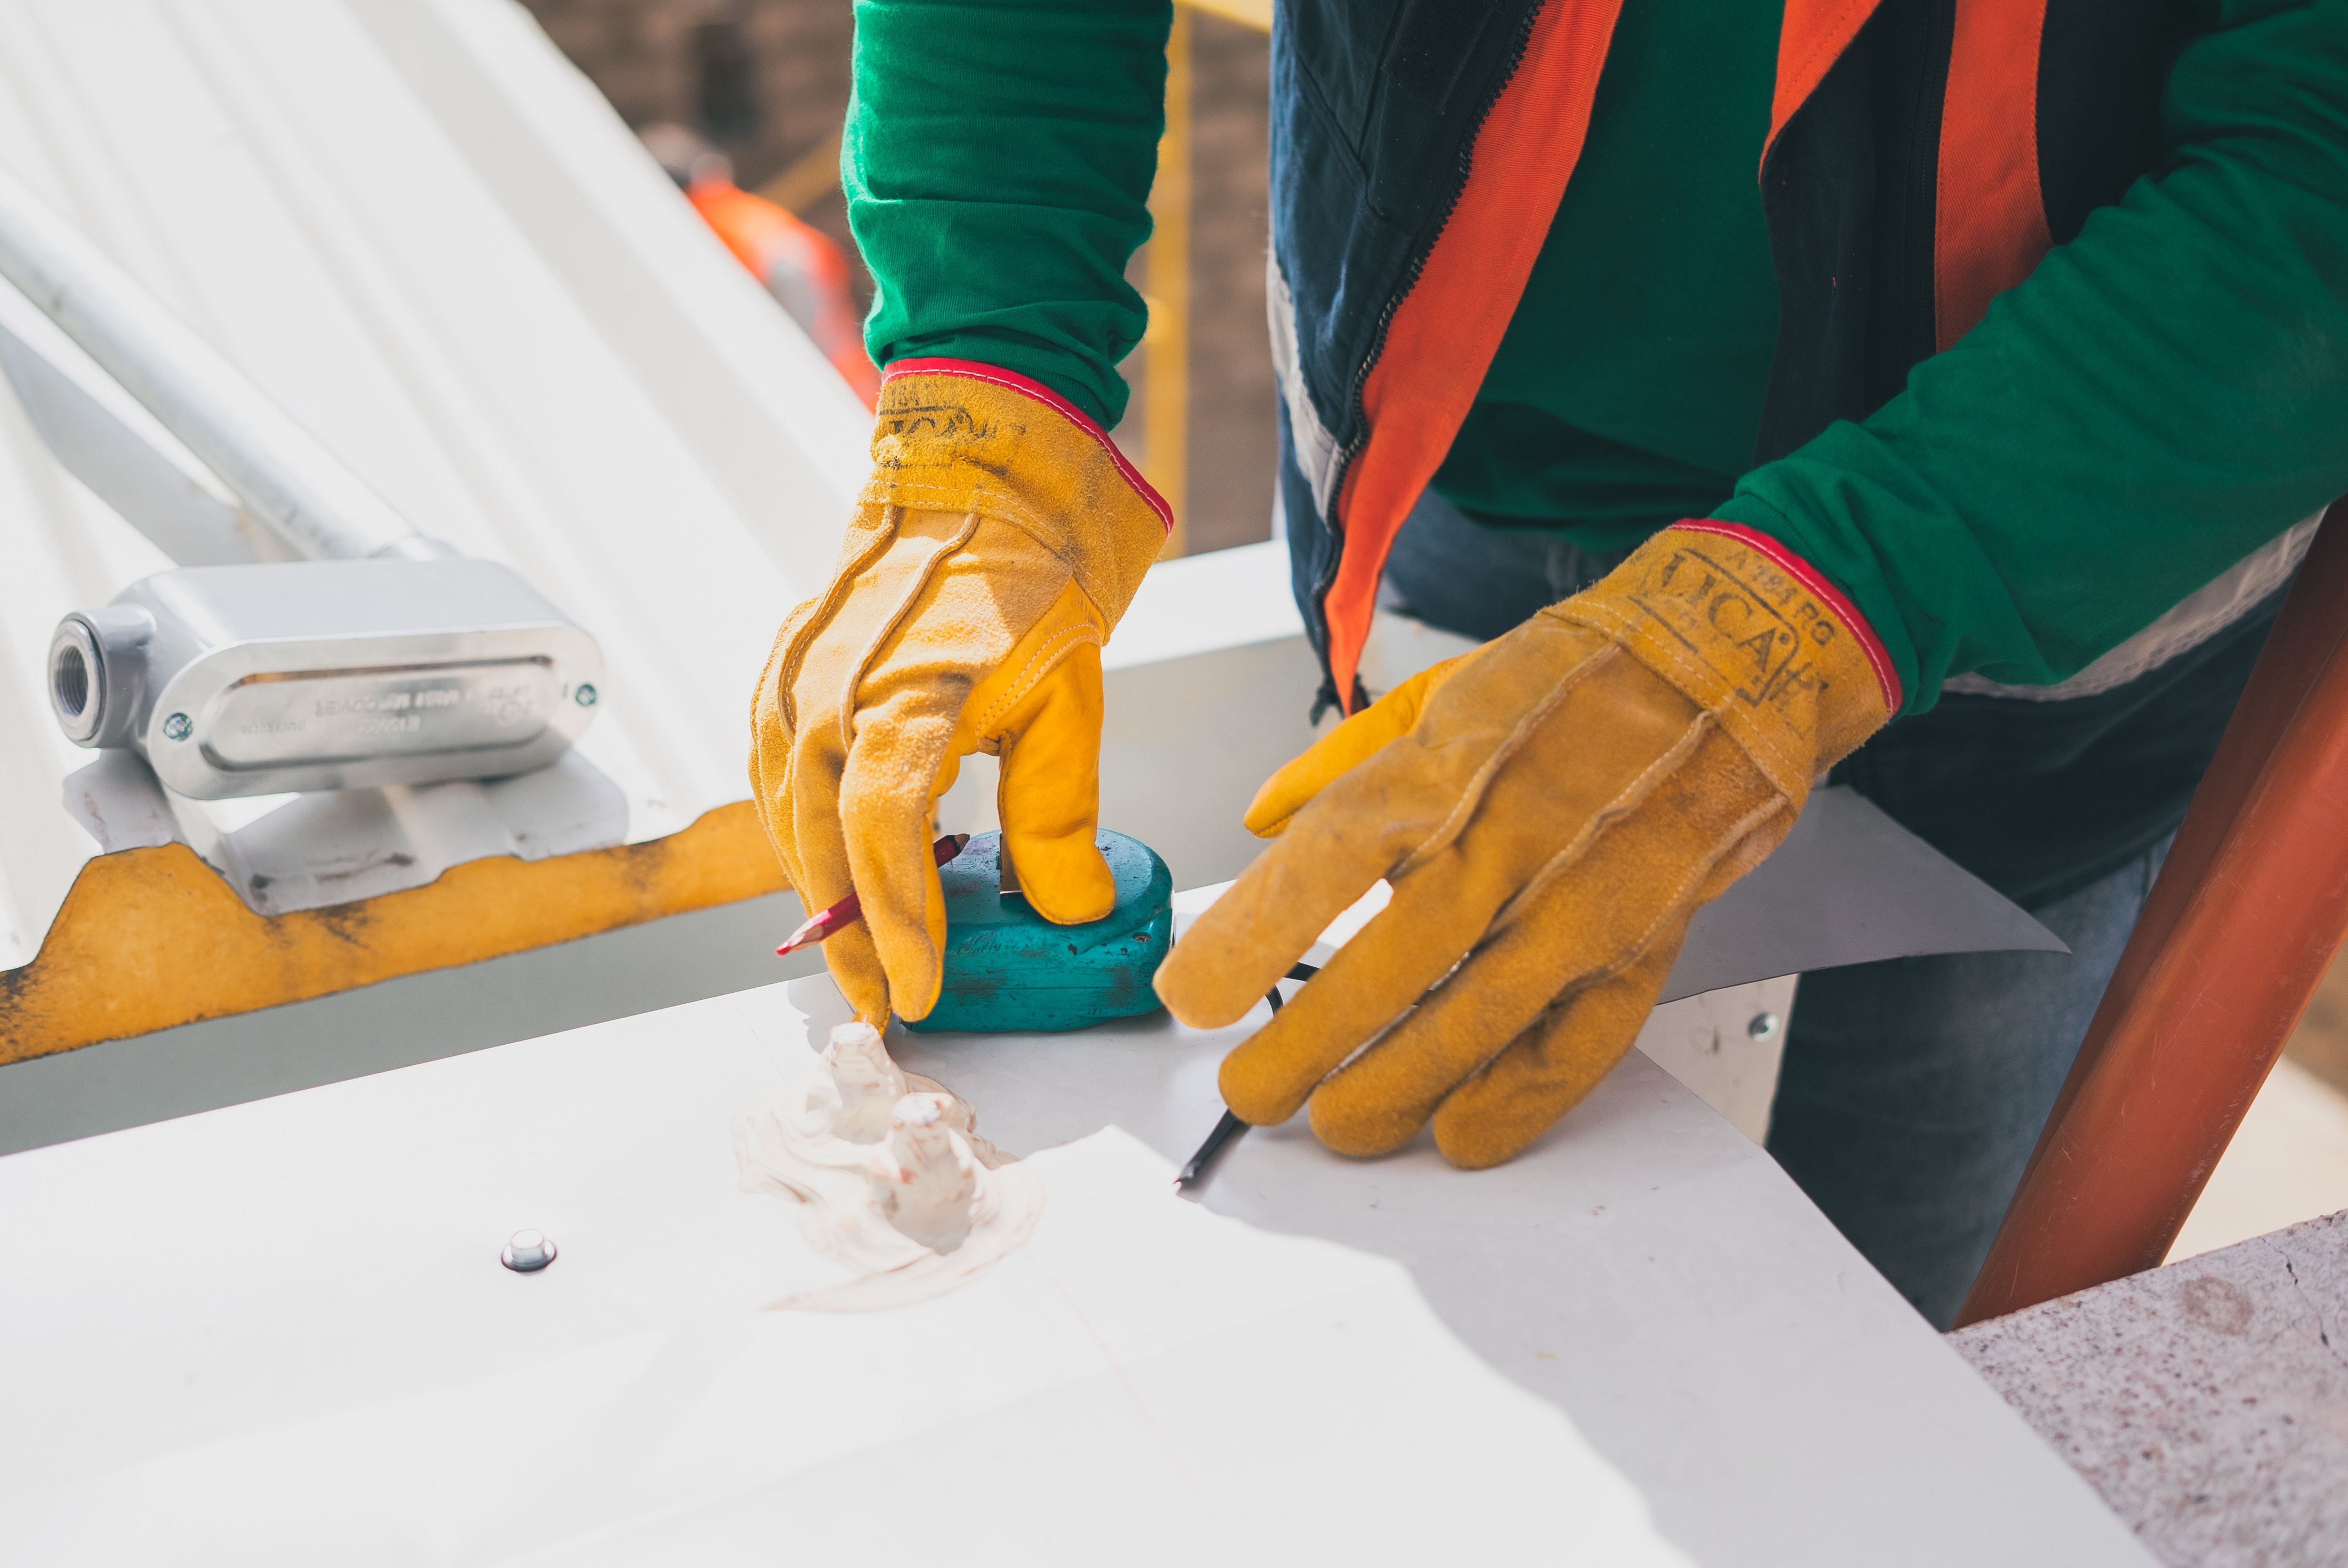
{"points": [[1850, 886]]}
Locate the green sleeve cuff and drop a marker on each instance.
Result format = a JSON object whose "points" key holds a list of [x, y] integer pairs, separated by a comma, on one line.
{"points": [[997, 161], [2161, 397]]}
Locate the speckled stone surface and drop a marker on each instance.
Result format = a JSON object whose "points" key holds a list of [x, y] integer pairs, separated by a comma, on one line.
{"points": [[2208, 1401]]}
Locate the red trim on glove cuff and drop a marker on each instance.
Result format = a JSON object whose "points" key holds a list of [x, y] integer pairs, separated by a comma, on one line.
{"points": [[1805, 574], [1050, 399]]}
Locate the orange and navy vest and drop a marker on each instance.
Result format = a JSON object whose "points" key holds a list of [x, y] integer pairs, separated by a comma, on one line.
{"points": [[1922, 156]]}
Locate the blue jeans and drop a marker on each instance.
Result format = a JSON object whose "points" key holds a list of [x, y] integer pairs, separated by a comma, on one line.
{"points": [[1913, 1091]]}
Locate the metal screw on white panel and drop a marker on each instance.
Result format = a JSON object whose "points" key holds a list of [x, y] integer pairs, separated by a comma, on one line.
{"points": [[527, 1252], [584, 696], [177, 727], [1763, 1025]]}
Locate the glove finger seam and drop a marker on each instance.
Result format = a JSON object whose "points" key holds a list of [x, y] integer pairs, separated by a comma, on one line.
{"points": [[1736, 833], [1625, 958], [1472, 795], [834, 595], [1632, 796], [889, 628], [1077, 554], [1053, 650], [1579, 990], [1550, 1021], [1003, 506]]}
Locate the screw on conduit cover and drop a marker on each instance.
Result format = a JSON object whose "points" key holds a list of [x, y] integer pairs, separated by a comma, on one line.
{"points": [[527, 1252]]}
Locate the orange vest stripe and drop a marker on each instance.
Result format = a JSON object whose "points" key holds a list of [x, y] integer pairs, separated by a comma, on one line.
{"points": [[1444, 335], [1990, 225], [1810, 39], [1990, 231]]}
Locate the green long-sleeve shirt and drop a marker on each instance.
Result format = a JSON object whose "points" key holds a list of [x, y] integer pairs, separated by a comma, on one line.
{"points": [[997, 161], [2164, 394]]}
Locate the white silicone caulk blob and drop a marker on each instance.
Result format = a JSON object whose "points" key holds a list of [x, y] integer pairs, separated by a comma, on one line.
{"points": [[848, 1100], [924, 1179], [892, 1181]]}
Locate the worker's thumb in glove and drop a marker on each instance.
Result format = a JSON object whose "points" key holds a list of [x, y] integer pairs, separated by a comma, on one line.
{"points": [[1041, 713], [1287, 792]]}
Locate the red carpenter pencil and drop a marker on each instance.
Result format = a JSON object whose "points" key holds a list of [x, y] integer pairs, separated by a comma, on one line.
{"points": [[824, 922]]}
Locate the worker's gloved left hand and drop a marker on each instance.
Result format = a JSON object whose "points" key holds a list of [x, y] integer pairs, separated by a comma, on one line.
{"points": [[1550, 810]]}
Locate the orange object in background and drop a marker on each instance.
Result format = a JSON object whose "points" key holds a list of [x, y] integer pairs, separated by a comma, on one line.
{"points": [[801, 267], [797, 262], [2248, 912]]}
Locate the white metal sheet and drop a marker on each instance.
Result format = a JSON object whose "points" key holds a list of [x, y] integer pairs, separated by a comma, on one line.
{"points": [[292, 1263]]}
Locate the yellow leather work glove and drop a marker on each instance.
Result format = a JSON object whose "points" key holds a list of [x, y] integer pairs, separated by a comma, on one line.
{"points": [[1001, 536], [1550, 811]]}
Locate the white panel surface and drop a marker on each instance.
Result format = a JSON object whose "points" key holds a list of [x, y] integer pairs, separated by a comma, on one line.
{"points": [[283, 1325], [302, 1343]]}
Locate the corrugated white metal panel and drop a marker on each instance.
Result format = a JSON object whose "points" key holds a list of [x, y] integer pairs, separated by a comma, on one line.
{"points": [[417, 228]]}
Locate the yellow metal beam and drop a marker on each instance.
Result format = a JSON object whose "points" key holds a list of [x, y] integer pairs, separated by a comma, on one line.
{"points": [[1256, 14], [812, 177], [1166, 386], [149, 938]]}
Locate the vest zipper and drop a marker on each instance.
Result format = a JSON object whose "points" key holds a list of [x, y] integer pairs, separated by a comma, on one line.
{"points": [[1518, 49]]}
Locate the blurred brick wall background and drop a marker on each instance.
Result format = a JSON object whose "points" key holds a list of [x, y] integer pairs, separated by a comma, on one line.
{"points": [[768, 80]]}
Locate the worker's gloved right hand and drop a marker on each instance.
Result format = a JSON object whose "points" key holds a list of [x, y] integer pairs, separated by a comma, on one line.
{"points": [[1550, 810], [1000, 539]]}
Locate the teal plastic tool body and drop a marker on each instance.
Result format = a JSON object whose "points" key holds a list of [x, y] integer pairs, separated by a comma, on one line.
{"points": [[1007, 968]]}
